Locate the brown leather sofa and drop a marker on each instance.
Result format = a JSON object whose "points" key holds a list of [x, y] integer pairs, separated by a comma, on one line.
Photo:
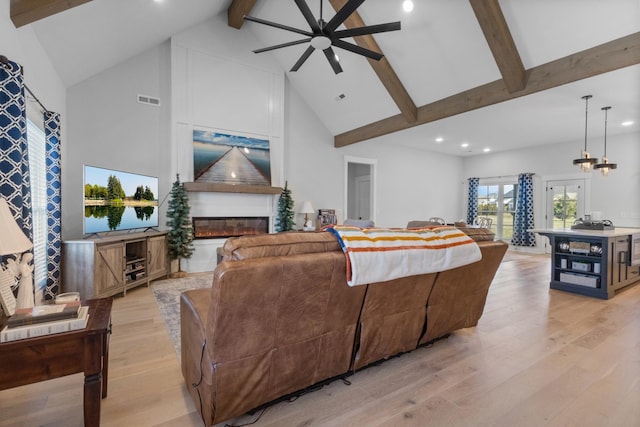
{"points": [[280, 317]]}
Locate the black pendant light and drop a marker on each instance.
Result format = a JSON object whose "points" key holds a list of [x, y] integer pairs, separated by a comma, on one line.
{"points": [[605, 166], [585, 161]]}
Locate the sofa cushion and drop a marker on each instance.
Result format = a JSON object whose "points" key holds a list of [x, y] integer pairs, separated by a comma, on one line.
{"points": [[458, 296], [281, 244]]}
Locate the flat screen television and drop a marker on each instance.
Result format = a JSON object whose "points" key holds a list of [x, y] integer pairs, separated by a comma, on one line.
{"points": [[116, 200]]}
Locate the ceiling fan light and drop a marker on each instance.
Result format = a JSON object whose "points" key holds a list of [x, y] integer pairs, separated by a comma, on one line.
{"points": [[320, 42]]}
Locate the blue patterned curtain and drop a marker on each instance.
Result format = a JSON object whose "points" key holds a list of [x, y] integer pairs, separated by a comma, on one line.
{"points": [[523, 220], [54, 228], [472, 205], [14, 160]]}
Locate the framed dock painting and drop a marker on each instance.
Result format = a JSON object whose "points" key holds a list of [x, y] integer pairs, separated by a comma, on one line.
{"points": [[230, 159]]}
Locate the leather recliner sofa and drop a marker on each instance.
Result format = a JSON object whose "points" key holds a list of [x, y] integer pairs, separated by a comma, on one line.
{"points": [[280, 317]]}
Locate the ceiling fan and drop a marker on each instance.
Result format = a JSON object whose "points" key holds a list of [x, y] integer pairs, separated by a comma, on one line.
{"points": [[323, 34]]}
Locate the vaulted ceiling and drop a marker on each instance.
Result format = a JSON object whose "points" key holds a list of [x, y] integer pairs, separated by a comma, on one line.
{"points": [[493, 74]]}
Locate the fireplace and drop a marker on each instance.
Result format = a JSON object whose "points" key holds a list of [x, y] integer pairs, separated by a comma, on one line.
{"points": [[223, 227]]}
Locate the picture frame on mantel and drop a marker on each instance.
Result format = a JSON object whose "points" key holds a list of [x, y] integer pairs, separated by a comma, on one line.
{"points": [[223, 158]]}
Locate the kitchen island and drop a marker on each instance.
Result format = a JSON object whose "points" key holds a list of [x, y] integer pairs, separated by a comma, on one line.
{"points": [[596, 263]]}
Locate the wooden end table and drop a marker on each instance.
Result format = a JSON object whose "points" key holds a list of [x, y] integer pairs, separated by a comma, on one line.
{"points": [[52, 356]]}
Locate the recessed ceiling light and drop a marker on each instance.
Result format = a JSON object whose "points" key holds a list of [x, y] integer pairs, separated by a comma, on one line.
{"points": [[486, 150], [407, 5], [439, 139], [464, 145], [627, 123]]}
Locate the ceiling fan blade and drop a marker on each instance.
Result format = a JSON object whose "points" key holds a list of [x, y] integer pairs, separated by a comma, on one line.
{"points": [[357, 49], [308, 15], [307, 53], [331, 56], [370, 29], [342, 14], [278, 46], [276, 25]]}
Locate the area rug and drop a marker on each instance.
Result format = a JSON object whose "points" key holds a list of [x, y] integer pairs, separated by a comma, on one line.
{"points": [[167, 293]]}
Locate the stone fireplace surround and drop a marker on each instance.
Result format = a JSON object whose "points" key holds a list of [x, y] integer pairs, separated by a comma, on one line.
{"points": [[220, 200]]}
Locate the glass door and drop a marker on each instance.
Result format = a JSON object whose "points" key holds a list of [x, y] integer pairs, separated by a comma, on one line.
{"points": [[498, 203], [565, 202]]}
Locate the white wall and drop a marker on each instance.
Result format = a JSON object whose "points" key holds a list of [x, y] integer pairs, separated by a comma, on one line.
{"points": [[109, 128], [219, 85], [411, 184], [615, 195], [22, 46]]}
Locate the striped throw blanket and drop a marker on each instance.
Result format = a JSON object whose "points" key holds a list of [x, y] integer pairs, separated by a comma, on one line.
{"points": [[381, 254]]}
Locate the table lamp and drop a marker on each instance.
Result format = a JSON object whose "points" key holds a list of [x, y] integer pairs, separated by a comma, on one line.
{"points": [[15, 242], [306, 210]]}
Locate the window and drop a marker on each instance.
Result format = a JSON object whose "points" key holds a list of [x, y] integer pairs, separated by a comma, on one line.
{"points": [[498, 202], [37, 175]]}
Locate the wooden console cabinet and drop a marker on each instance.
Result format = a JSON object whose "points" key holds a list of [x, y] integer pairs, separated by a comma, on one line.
{"points": [[105, 266], [593, 263]]}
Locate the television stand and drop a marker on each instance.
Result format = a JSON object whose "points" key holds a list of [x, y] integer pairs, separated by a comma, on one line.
{"points": [[113, 264], [96, 235]]}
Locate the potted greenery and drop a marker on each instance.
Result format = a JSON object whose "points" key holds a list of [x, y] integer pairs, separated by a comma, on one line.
{"points": [[284, 221], [180, 236]]}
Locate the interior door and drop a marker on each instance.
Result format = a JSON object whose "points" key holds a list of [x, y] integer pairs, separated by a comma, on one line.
{"points": [[363, 197], [360, 185]]}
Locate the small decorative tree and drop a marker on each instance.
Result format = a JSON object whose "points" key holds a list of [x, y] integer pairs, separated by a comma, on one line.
{"points": [[180, 235], [284, 221]]}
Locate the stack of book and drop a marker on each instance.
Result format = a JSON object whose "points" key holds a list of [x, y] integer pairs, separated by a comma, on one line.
{"points": [[43, 320]]}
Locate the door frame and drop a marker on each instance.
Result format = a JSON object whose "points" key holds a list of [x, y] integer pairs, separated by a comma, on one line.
{"points": [[586, 178], [373, 164]]}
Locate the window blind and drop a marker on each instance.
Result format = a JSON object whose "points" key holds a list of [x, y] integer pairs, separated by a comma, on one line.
{"points": [[37, 175]]}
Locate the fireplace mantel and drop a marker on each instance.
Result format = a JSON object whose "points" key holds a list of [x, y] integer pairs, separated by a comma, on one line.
{"points": [[226, 200], [229, 188]]}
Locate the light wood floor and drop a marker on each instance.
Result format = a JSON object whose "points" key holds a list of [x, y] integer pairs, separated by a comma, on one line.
{"points": [[537, 358]]}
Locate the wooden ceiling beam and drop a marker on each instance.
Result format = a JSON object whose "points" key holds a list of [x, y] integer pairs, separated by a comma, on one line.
{"points": [[237, 10], [25, 12], [382, 68], [611, 56], [503, 48]]}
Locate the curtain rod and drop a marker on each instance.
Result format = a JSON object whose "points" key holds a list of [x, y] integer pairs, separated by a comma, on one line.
{"points": [[5, 63], [507, 176]]}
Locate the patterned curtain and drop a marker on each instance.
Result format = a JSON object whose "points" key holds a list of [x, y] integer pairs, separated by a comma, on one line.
{"points": [[54, 228], [14, 160], [524, 213], [472, 205]]}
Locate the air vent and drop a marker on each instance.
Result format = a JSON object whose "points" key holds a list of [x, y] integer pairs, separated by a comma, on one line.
{"points": [[340, 97], [144, 99]]}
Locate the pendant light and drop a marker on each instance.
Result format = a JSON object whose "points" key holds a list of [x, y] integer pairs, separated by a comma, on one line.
{"points": [[585, 161], [605, 166]]}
